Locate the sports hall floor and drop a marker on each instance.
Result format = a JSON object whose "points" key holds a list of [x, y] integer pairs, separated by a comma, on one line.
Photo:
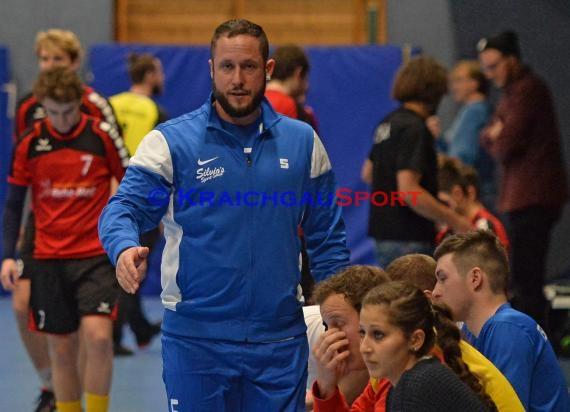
{"points": [[137, 383]]}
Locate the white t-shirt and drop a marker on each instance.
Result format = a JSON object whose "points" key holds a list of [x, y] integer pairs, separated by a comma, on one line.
{"points": [[315, 328]]}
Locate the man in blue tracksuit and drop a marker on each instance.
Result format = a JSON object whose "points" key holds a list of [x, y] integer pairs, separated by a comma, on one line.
{"points": [[232, 182]]}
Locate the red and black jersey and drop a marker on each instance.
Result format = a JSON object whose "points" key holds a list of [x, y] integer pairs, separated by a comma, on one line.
{"points": [[483, 220], [70, 179], [29, 110]]}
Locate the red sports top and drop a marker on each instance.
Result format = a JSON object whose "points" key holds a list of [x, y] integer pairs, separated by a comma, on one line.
{"points": [[484, 220], [282, 103], [70, 180]]}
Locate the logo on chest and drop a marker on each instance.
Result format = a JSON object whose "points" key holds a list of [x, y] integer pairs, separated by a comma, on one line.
{"points": [[39, 113], [204, 174], [43, 145]]}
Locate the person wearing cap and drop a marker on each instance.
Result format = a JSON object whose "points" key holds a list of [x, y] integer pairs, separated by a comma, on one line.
{"points": [[524, 139]]}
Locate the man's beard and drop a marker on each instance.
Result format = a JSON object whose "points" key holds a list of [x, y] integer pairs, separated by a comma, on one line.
{"points": [[241, 112]]}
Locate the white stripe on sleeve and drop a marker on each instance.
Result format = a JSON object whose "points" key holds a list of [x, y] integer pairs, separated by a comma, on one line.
{"points": [[153, 154], [320, 163]]}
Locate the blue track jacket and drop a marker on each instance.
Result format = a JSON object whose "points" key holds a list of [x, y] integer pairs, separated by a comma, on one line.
{"points": [[230, 267]]}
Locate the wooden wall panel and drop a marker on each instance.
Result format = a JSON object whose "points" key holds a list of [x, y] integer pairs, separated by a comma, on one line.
{"points": [[306, 22], [169, 21]]}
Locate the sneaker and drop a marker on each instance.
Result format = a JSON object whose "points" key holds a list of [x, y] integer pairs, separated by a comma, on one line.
{"points": [[120, 350], [154, 330], [45, 402]]}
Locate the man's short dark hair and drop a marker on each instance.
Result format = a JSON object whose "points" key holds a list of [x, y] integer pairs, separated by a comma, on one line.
{"points": [[287, 59], [62, 85], [479, 248], [452, 171], [236, 27], [140, 65], [449, 174]]}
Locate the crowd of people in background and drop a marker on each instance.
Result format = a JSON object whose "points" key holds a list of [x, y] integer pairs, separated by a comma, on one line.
{"points": [[452, 316]]}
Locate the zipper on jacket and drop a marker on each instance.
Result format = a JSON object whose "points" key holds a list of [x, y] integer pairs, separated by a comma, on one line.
{"points": [[250, 213], [247, 151]]}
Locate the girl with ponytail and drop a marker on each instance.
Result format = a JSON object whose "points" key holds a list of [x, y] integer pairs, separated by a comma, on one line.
{"points": [[399, 331]]}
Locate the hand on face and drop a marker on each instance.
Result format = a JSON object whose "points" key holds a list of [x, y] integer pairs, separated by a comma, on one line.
{"points": [[331, 354]]}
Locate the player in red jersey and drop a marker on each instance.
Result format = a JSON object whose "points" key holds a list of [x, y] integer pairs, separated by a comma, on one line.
{"points": [[67, 159], [54, 48], [459, 188]]}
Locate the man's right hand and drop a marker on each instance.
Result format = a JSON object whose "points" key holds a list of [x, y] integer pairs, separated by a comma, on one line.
{"points": [[9, 274], [331, 355], [131, 268]]}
